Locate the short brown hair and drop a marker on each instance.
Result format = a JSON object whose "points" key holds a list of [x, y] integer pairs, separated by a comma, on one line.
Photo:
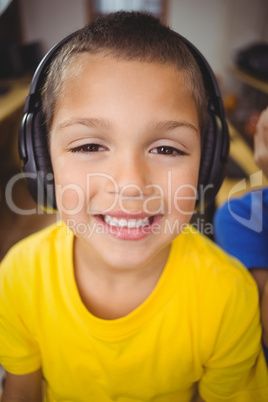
{"points": [[127, 36]]}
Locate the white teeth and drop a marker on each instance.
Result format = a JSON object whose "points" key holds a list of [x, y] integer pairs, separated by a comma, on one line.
{"points": [[126, 223]]}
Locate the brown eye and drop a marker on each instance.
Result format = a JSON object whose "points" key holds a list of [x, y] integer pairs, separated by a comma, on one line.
{"points": [[87, 148], [167, 150]]}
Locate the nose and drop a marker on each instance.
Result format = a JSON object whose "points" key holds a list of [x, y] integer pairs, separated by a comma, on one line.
{"points": [[132, 176]]}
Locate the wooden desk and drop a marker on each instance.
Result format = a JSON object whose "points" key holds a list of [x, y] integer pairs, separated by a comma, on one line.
{"points": [[11, 111], [240, 151], [14, 99], [249, 79], [242, 154], [14, 227]]}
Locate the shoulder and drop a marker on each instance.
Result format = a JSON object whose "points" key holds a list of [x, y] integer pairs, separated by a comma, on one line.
{"points": [[37, 240], [220, 289], [210, 266], [203, 249], [34, 251]]}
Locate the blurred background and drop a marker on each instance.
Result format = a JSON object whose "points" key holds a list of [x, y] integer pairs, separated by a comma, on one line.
{"points": [[231, 34]]}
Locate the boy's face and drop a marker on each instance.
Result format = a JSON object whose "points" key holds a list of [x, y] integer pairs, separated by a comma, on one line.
{"points": [[125, 150]]}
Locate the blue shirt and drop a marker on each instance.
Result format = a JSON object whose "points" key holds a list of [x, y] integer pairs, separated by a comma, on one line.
{"points": [[241, 228]]}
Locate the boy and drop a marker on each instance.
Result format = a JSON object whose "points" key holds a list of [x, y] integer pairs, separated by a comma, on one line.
{"points": [[121, 308]]}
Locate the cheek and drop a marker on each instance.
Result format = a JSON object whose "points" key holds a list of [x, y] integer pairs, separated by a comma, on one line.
{"points": [[70, 191], [185, 194], [70, 198], [180, 189], [79, 191], [184, 200]]}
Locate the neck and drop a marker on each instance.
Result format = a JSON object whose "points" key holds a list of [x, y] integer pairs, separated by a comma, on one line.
{"points": [[110, 292]]}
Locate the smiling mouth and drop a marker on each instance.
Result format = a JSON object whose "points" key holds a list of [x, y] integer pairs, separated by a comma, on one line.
{"points": [[127, 223]]}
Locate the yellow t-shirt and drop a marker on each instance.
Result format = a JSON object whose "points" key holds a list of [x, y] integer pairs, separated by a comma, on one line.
{"points": [[199, 326]]}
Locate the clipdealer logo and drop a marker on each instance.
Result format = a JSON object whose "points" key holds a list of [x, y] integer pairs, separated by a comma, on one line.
{"points": [[253, 222], [160, 201], [255, 219]]}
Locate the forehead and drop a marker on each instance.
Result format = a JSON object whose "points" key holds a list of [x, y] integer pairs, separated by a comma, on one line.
{"points": [[103, 84], [102, 68]]}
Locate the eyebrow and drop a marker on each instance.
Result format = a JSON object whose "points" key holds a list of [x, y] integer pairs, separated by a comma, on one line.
{"points": [[103, 123], [173, 124], [88, 122]]}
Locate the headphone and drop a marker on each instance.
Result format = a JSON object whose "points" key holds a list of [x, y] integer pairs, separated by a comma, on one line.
{"points": [[33, 136]]}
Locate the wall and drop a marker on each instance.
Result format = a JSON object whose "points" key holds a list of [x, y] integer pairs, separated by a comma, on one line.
{"points": [[49, 21], [219, 27]]}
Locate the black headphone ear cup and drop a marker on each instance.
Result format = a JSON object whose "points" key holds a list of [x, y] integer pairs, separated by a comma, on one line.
{"points": [[208, 145], [35, 158], [211, 172], [45, 175], [40, 142]]}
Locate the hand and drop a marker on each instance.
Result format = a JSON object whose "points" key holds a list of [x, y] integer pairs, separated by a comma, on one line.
{"points": [[18, 388], [261, 142], [261, 277]]}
